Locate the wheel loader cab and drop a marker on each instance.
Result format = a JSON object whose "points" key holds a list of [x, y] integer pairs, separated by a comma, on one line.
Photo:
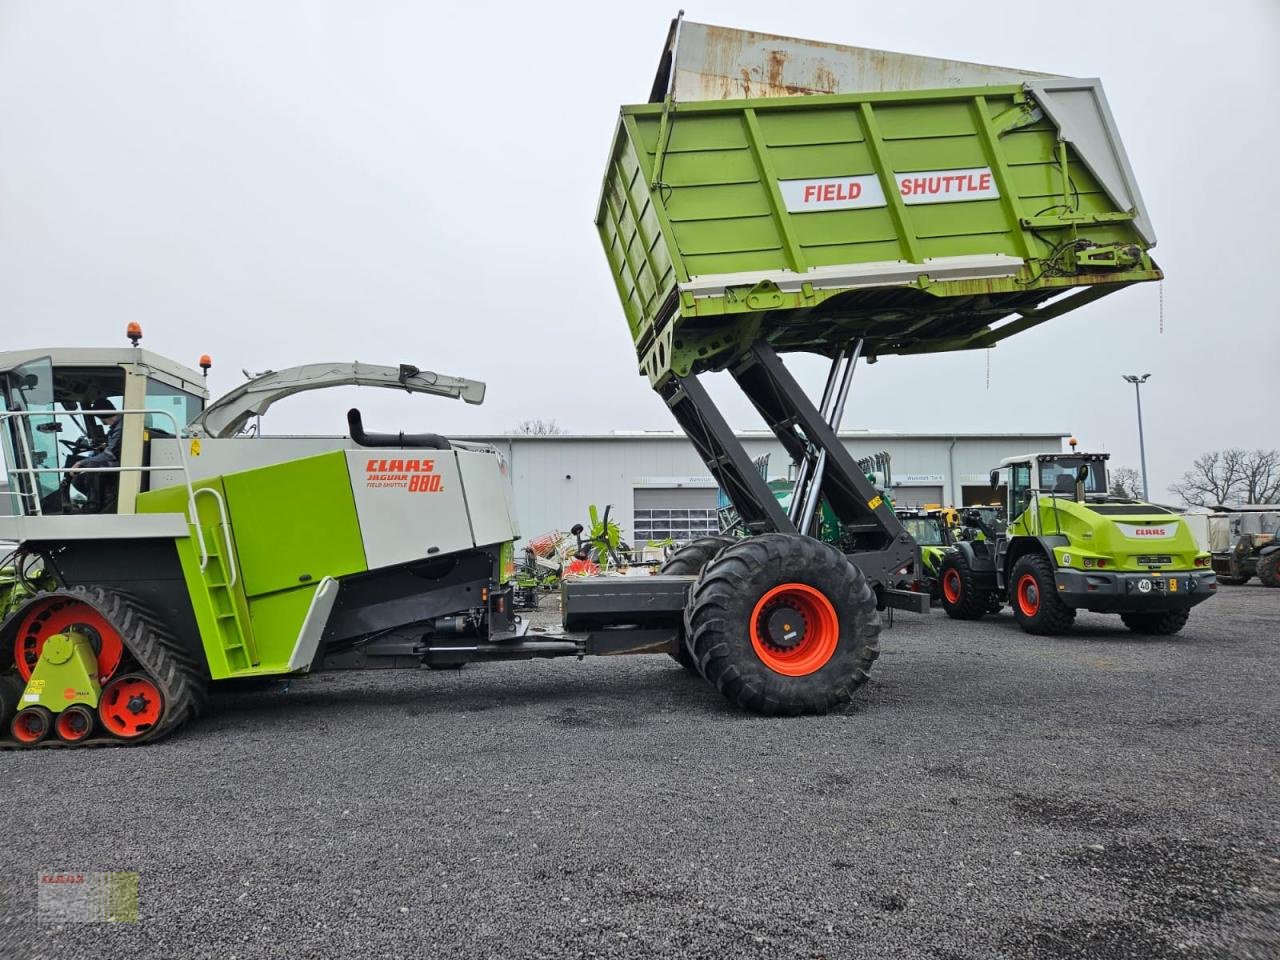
{"points": [[48, 425], [1049, 475]]}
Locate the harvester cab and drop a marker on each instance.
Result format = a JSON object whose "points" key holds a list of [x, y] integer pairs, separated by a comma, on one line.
{"points": [[1069, 544], [79, 424]]}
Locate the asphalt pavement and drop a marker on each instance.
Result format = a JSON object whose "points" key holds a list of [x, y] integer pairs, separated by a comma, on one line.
{"points": [[989, 794]]}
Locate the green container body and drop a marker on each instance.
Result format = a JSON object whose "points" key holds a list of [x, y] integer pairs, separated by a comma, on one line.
{"points": [[920, 221]]}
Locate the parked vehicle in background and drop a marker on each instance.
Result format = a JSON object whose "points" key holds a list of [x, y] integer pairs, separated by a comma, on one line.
{"points": [[1243, 540], [1071, 545]]}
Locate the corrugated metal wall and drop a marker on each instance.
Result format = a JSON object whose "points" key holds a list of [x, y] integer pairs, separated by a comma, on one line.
{"points": [[556, 478]]}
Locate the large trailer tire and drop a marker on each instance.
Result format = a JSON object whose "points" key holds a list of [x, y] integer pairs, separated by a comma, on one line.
{"points": [[962, 598], [783, 624], [689, 561], [1163, 624], [1033, 595], [1269, 570]]}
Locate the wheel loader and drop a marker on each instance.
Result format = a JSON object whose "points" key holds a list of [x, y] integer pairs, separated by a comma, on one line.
{"points": [[1072, 545]]}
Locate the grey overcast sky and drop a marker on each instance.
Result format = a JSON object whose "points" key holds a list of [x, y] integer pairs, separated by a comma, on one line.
{"points": [[275, 183]]}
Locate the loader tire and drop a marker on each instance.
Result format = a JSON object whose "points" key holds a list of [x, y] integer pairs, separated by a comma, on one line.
{"points": [[961, 596], [783, 624], [1269, 570], [1163, 624], [689, 561], [1033, 594]]}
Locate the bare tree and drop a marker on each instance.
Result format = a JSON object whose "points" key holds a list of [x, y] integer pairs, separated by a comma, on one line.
{"points": [[1126, 482], [1233, 475], [538, 428], [1261, 483]]}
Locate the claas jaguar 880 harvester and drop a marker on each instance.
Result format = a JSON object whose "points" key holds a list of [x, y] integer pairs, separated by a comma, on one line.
{"points": [[774, 195]]}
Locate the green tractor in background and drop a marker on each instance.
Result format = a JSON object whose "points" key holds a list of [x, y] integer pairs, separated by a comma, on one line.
{"points": [[937, 536], [1070, 545]]}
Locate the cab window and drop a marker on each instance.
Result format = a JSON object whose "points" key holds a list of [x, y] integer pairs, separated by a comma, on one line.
{"points": [[924, 530], [1059, 475], [184, 407], [1019, 488]]}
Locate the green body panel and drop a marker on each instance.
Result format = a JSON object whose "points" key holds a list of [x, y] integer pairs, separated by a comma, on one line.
{"points": [[930, 557], [295, 522], [1093, 536], [220, 607], [693, 190], [66, 673], [292, 524]]}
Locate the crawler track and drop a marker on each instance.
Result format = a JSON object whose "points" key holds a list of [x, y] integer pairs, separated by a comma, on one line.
{"points": [[150, 649]]}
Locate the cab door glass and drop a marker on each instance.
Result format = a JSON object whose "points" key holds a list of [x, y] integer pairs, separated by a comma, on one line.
{"points": [[30, 442], [1019, 489]]}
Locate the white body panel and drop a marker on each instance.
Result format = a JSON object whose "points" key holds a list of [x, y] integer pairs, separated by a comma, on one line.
{"points": [[492, 519], [1150, 531], [211, 458], [413, 504], [100, 526]]}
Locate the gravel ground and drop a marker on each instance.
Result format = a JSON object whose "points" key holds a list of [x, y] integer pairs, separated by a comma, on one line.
{"points": [[990, 794]]}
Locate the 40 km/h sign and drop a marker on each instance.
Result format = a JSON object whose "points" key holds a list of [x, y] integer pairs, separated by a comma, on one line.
{"points": [[851, 193]]}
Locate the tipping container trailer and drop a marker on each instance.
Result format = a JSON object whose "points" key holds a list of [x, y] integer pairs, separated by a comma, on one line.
{"points": [[779, 195]]}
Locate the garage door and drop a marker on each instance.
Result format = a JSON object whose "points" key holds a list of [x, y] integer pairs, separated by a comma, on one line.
{"points": [[676, 513], [916, 496]]}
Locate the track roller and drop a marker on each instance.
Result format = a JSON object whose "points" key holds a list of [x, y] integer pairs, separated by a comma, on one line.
{"points": [[74, 723], [31, 725]]}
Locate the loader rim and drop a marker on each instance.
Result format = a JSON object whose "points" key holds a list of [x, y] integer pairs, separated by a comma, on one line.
{"points": [[131, 706], [59, 614], [819, 627], [951, 585], [1028, 595]]}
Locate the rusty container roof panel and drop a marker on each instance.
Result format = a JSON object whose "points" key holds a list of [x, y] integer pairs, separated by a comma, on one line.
{"points": [[705, 62]]}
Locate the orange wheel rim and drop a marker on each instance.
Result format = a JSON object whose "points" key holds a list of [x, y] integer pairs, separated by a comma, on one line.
{"points": [[73, 724], [794, 629], [1028, 595], [59, 615], [130, 706], [951, 585], [30, 726]]}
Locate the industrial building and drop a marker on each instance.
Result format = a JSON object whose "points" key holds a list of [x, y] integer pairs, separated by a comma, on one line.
{"points": [[659, 487]]}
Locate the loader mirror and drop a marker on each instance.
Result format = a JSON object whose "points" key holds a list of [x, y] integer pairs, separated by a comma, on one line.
{"points": [[1082, 473], [995, 479]]}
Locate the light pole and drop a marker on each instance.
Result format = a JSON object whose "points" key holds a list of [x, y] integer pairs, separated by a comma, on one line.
{"points": [[1137, 382]]}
